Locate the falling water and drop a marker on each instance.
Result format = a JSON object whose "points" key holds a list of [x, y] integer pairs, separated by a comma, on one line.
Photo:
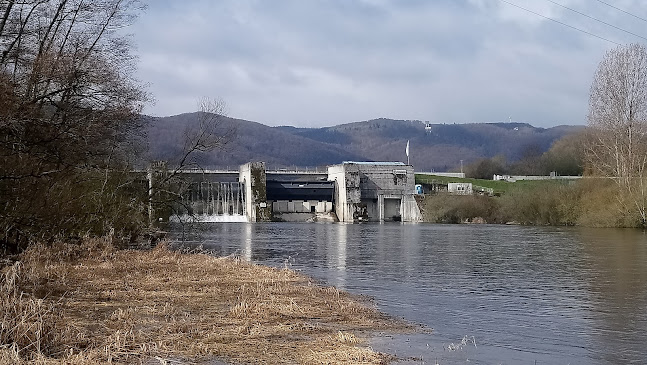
{"points": [[214, 202]]}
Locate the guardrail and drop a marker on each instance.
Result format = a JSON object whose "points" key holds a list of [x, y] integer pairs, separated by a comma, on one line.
{"points": [[305, 170], [443, 174]]}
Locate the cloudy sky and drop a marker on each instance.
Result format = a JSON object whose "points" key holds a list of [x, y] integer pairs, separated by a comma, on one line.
{"points": [[325, 62]]}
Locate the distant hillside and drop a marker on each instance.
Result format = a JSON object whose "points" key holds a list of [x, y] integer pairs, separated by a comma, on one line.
{"points": [[440, 149], [252, 142]]}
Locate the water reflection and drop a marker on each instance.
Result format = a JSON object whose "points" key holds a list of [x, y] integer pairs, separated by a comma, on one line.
{"points": [[337, 254], [526, 294], [246, 241], [618, 285]]}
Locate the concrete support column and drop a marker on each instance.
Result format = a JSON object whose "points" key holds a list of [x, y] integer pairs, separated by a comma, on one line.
{"points": [[253, 177], [380, 207], [411, 211]]}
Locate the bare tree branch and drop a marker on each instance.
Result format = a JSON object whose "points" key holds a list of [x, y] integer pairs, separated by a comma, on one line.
{"points": [[618, 123], [210, 132], [69, 109]]}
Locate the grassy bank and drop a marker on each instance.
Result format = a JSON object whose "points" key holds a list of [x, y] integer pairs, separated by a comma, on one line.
{"points": [[587, 202], [499, 187], [90, 304]]}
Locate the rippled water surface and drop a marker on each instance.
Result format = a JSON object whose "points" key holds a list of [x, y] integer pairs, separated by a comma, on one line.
{"points": [[516, 295]]}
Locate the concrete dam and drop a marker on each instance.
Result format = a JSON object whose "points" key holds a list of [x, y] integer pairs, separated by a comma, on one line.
{"points": [[349, 192]]}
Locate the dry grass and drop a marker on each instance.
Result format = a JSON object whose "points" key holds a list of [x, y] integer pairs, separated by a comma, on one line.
{"points": [[92, 304]]}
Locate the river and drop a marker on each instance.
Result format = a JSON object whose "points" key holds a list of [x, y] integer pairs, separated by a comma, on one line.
{"points": [[491, 294]]}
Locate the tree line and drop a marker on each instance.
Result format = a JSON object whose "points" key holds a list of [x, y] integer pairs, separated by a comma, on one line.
{"points": [[565, 158], [71, 132], [68, 119], [612, 147]]}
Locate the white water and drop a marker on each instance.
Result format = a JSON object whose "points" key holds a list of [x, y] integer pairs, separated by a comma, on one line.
{"points": [[214, 202], [210, 218]]}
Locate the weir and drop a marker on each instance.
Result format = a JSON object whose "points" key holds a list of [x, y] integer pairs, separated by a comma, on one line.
{"points": [[348, 192], [215, 202]]}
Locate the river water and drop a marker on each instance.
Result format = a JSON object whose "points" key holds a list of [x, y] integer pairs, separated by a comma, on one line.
{"points": [[491, 294]]}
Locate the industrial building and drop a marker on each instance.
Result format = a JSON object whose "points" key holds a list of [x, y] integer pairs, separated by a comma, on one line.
{"points": [[374, 192], [348, 192]]}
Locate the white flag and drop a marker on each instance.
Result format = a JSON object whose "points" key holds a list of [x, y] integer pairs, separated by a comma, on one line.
{"points": [[407, 148]]}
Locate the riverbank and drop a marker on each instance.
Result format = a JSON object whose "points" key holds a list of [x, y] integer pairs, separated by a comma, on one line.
{"points": [[586, 203], [91, 303]]}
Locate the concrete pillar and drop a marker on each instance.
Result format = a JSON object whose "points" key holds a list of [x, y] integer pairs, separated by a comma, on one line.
{"points": [[337, 173], [410, 210], [380, 207], [253, 177]]}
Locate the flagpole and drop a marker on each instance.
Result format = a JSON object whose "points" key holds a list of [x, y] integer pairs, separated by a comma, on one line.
{"points": [[407, 152]]}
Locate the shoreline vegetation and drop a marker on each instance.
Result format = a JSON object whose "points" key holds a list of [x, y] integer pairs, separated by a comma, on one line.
{"points": [[91, 303], [587, 202]]}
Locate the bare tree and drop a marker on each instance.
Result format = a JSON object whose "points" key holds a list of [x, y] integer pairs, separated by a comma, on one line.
{"points": [[618, 124], [168, 185], [69, 108], [210, 132]]}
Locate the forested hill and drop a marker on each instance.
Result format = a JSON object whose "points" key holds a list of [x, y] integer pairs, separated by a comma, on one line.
{"points": [[440, 148]]}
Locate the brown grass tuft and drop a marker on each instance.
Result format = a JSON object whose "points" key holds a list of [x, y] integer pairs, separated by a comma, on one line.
{"points": [[26, 323], [93, 304]]}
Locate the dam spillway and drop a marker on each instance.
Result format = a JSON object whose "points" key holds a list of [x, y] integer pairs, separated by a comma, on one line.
{"points": [[215, 201], [348, 192]]}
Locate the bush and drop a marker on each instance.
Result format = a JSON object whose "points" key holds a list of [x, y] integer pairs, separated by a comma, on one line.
{"points": [[601, 205], [587, 202], [545, 204], [446, 208]]}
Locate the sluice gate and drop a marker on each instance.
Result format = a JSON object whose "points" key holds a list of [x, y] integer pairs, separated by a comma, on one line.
{"points": [[210, 199], [348, 192]]}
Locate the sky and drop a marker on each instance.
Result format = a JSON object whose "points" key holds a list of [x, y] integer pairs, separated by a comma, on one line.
{"points": [[316, 63]]}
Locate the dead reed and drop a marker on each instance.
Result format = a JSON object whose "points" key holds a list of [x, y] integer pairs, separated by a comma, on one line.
{"points": [[90, 303]]}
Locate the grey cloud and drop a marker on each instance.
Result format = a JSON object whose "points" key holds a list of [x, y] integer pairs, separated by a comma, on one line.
{"points": [[318, 62]]}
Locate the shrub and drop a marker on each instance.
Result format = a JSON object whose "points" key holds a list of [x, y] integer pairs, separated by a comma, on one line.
{"points": [[446, 208], [545, 204]]}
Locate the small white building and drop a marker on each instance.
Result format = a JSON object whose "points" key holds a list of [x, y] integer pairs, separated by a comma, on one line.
{"points": [[460, 188], [507, 178]]}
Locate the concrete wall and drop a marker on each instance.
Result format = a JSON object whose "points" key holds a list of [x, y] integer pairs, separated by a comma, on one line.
{"points": [[301, 206], [460, 188], [410, 209], [252, 175], [337, 173], [374, 192], [444, 174], [513, 178], [386, 180]]}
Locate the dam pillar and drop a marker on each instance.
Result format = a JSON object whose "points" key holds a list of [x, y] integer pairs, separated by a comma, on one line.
{"points": [[374, 191], [254, 181], [347, 196]]}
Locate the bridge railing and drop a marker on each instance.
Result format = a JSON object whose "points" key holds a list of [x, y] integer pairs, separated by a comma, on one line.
{"points": [[297, 170], [276, 170]]}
